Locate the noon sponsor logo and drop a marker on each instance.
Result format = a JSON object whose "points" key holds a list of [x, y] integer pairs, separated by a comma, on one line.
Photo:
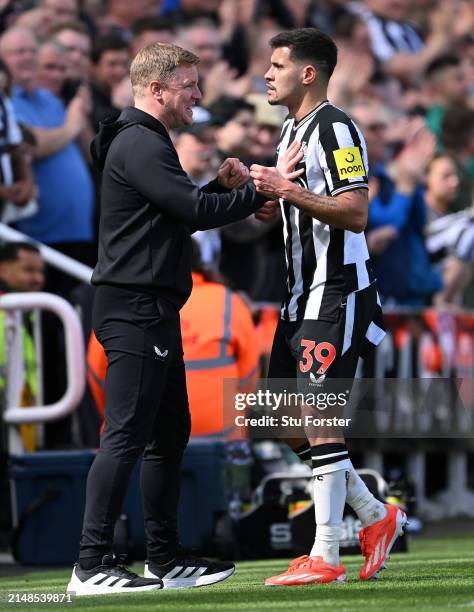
{"points": [[349, 163]]}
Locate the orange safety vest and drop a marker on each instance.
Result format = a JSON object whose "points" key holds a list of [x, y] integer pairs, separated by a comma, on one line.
{"points": [[219, 342]]}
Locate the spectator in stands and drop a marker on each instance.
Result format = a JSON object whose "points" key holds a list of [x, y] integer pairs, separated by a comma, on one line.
{"points": [[397, 213], [21, 270], [237, 134], [213, 351], [58, 12], [52, 67], [145, 31], [216, 76], [241, 250], [449, 235], [110, 66], [187, 11], [47, 15], [17, 186], [356, 64], [21, 267], [442, 186], [66, 194], [196, 148], [397, 44], [447, 86], [202, 38], [122, 14], [216, 348], [466, 54], [64, 218], [324, 15], [260, 54], [74, 37], [149, 30], [457, 140], [268, 120]]}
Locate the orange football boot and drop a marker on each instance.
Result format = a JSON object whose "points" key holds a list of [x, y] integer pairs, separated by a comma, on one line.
{"points": [[377, 540], [308, 570]]}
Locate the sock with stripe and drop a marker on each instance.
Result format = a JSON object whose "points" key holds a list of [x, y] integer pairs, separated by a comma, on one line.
{"points": [[369, 510], [330, 464], [304, 453]]}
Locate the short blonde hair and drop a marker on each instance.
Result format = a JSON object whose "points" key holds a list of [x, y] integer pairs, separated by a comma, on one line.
{"points": [[157, 62]]}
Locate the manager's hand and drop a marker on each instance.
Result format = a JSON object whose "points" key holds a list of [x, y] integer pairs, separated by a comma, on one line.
{"points": [[233, 173]]}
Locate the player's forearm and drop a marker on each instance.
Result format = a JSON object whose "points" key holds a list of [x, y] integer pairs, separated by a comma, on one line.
{"points": [[338, 211]]}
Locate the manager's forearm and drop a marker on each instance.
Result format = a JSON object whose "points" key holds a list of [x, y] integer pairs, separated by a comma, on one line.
{"points": [[335, 211]]}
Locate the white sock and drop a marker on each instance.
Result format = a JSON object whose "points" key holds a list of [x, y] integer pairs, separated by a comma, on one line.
{"points": [[329, 499], [368, 509]]}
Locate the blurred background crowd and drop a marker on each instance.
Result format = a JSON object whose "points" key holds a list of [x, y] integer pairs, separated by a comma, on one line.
{"points": [[405, 74]]}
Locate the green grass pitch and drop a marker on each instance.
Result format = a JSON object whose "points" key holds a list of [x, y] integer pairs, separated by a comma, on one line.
{"points": [[436, 575]]}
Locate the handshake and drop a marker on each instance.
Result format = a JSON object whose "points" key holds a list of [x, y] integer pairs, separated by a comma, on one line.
{"points": [[271, 182]]}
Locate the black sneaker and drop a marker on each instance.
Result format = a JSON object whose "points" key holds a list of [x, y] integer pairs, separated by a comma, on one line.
{"points": [[189, 571], [109, 578]]}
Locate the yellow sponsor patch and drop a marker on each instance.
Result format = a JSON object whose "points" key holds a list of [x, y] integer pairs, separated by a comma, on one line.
{"points": [[349, 163]]}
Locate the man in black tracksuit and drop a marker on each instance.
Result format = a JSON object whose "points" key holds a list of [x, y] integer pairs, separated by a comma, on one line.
{"points": [[143, 277]]}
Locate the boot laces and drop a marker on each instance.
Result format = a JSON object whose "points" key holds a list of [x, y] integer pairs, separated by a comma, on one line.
{"points": [[298, 563]]}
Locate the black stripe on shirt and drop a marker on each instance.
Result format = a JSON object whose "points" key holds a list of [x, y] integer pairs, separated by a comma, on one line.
{"points": [[335, 286], [289, 247], [308, 256]]}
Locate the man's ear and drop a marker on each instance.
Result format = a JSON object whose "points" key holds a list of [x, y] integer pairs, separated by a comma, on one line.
{"points": [[156, 88], [310, 74]]}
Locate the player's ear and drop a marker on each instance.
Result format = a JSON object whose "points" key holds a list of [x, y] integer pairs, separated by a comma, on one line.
{"points": [[309, 74]]}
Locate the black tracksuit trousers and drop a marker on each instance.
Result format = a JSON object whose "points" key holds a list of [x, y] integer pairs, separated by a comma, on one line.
{"points": [[146, 413]]}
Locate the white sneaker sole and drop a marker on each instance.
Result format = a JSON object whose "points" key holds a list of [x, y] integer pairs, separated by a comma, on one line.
{"points": [[401, 521], [80, 589], [176, 583]]}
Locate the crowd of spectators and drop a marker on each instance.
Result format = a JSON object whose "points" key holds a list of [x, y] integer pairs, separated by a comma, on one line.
{"points": [[405, 74]]}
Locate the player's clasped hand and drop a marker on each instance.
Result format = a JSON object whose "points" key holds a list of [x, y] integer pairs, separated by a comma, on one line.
{"points": [[289, 160], [233, 173], [268, 181], [272, 181]]}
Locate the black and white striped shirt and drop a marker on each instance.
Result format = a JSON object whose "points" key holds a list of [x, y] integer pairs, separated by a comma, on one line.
{"points": [[10, 136], [324, 263], [451, 234], [388, 37]]}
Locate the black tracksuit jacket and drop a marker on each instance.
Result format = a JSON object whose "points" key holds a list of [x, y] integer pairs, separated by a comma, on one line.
{"points": [[150, 207]]}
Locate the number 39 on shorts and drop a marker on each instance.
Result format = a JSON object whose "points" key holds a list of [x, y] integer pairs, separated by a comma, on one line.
{"points": [[323, 352]]}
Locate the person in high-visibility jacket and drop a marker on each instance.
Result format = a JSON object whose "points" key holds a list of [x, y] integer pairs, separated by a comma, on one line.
{"points": [[219, 342], [22, 269]]}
